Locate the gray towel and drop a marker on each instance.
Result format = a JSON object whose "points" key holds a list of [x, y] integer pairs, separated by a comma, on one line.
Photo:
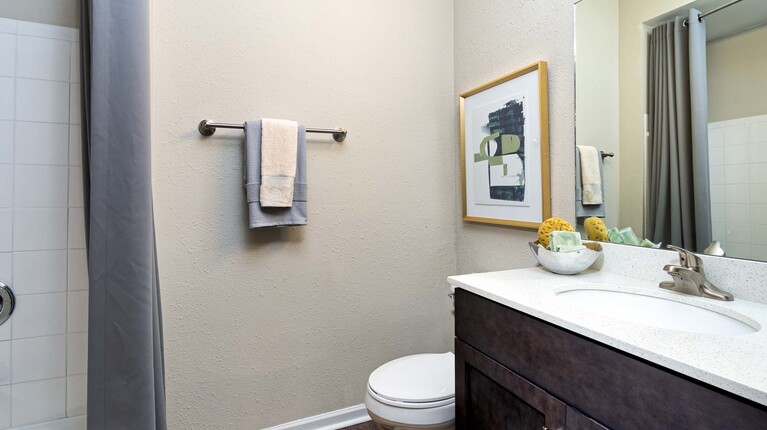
{"points": [[268, 216], [584, 211]]}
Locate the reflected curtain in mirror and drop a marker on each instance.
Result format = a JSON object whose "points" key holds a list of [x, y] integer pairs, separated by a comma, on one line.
{"points": [[678, 204]]}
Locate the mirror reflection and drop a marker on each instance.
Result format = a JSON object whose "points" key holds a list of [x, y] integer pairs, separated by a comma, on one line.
{"points": [[677, 92]]}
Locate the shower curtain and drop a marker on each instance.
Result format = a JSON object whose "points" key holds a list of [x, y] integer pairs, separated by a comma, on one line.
{"points": [[679, 211], [126, 377]]}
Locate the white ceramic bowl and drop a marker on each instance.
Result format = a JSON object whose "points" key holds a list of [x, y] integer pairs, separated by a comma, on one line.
{"points": [[567, 263]]}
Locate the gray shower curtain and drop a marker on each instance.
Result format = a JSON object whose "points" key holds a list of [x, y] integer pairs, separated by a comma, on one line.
{"points": [[679, 211], [126, 377]]}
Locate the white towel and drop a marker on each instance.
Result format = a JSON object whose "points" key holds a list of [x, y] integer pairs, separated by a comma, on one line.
{"points": [[591, 178], [279, 145]]}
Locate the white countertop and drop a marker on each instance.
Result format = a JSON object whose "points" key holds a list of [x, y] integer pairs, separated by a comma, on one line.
{"points": [[734, 363]]}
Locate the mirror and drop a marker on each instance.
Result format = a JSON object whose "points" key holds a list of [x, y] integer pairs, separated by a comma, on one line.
{"points": [[621, 109]]}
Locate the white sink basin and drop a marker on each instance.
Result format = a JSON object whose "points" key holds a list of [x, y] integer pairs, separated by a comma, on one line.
{"points": [[656, 311]]}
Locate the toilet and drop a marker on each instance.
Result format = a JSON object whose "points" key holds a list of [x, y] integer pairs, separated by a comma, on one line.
{"points": [[413, 392]]}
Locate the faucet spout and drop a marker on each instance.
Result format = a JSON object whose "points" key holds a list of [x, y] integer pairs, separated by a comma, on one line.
{"points": [[689, 278]]}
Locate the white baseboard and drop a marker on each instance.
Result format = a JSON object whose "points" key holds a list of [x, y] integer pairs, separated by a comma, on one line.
{"points": [[328, 421]]}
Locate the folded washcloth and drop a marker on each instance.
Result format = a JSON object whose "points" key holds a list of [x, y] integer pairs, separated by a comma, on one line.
{"points": [[584, 211], [591, 175], [278, 162], [259, 216]]}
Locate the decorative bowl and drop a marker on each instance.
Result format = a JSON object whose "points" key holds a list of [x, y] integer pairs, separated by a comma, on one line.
{"points": [[567, 263]]}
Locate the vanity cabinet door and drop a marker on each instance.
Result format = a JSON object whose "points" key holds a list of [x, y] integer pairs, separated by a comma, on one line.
{"points": [[490, 396]]}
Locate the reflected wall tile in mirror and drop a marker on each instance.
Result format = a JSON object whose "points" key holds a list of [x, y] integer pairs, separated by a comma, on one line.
{"points": [[717, 194], [715, 135], [758, 152], [759, 194], [736, 154], [738, 250], [737, 213], [739, 233], [718, 212], [759, 214], [759, 234], [717, 174], [758, 129], [716, 156], [737, 193], [734, 174]]}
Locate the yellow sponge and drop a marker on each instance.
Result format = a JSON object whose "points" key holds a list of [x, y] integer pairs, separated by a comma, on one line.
{"points": [[552, 224], [596, 229]]}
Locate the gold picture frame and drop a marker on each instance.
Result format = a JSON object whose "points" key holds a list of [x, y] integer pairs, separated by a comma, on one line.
{"points": [[518, 188]]}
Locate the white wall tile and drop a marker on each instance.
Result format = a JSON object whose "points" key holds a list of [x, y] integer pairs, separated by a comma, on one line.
{"points": [[74, 104], [716, 156], [5, 398], [759, 233], [40, 315], [5, 329], [7, 54], [758, 214], [737, 193], [758, 173], [77, 353], [5, 363], [75, 146], [38, 358], [740, 233], [43, 58], [759, 252], [6, 267], [718, 212], [44, 30], [41, 143], [758, 131], [6, 230], [759, 194], [6, 98], [39, 401], [6, 142], [736, 154], [77, 390], [45, 101], [40, 186], [40, 229], [716, 174], [738, 250], [758, 152], [737, 214], [7, 25], [717, 194], [76, 187], [74, 62], [77, 273], [736, 134], [77, 312], [6, 185], [38, 272], [76, 228], [715, 137], [736, 174]]}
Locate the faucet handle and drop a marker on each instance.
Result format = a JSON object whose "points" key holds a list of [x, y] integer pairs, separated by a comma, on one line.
{"points": [[687, 258]]}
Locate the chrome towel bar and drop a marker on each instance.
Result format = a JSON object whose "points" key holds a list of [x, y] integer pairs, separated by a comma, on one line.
{"points": [[208, 127]]}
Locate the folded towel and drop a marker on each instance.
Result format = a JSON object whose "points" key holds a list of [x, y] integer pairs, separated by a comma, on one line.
{"points": [[584, 211], [278, 162], [259, 216], [591, 175]]}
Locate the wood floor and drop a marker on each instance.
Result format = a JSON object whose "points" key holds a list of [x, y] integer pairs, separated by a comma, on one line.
{"points": [[370, 425]]}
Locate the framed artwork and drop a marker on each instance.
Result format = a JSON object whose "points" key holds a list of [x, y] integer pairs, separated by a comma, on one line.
{"points": [[505, 150]]}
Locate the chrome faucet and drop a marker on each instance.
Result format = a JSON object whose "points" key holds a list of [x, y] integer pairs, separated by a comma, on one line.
{"points": [[689, 277]]}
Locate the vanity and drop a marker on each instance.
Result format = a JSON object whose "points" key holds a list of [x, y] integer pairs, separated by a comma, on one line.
{"points": [[531, 354]]}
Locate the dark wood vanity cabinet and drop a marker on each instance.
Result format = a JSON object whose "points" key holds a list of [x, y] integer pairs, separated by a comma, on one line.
{"points": [[514, 371]]}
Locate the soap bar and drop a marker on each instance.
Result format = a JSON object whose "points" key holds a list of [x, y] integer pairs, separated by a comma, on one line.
{"points": [[647, 244], [628, 236], [614, 236], [570, 248], [560, 240]]}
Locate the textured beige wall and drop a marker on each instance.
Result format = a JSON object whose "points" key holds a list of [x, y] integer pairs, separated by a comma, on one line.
{"points": [[596, 89], [495, 37], [737, 87], [632, 104], [267, 326], [55, 12]]}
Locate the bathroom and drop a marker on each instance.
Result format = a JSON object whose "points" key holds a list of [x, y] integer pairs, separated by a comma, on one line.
{"points": [[262, 328]]}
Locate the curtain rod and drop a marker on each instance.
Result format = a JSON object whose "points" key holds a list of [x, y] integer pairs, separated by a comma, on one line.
{"points": [[208, 127], [715, 10]]}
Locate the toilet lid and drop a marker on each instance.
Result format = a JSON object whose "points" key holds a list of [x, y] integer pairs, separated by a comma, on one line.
{"points": [[416, 378]]}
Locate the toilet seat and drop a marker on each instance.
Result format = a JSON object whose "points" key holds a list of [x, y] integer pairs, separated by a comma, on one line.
{"points": [[416, 390]]}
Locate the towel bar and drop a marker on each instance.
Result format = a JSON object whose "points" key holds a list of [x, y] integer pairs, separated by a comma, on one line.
{"points": [[208, 127], [606, 154]]}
